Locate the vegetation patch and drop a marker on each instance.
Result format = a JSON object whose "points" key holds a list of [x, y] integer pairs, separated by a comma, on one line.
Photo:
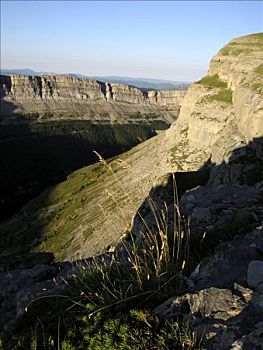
{"points": [[212, 81], [259, 69], [256, 42], [257, 36], [225, 95], [133, 330], [256, 86], [177, 155], [110, 305], [233, 50]]}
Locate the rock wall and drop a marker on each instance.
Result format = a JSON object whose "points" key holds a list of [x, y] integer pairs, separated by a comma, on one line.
{"points": [[64, 97], [238, 64], [225, 109]]}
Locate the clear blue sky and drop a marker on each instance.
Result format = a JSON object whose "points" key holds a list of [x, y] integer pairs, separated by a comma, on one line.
{"points": [[171, 40]]}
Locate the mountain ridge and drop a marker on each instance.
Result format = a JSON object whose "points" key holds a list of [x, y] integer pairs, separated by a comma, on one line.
{"points": [[143, 83]]}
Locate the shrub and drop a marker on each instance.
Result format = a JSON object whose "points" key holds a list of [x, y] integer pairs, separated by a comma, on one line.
{"points": [[133, 331]]}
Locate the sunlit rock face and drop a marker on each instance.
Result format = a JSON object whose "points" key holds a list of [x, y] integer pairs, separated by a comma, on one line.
{"points": [[225, 109], [64, 97]]}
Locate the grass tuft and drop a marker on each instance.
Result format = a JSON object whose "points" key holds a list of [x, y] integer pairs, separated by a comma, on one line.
{"points": [[109, 305]]}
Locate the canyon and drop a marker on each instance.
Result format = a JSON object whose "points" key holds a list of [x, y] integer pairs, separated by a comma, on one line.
{"points": [[210, 126], [214, 151], [50, 126]]}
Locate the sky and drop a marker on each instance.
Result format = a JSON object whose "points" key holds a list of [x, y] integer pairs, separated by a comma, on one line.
{"points": [[171, 40]]}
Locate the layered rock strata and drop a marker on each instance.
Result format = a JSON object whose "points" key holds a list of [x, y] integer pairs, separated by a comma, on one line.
{"points": [[63, 97]]}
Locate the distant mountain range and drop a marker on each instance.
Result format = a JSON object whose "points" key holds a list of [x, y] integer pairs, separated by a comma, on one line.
{"points": [[24, 71], [141, 83]]}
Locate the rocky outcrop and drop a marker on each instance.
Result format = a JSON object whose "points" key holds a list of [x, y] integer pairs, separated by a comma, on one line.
{"points": [[61, 97], [26, 278], [239, 66], [223, 319], [223, 304], [225, 109]]}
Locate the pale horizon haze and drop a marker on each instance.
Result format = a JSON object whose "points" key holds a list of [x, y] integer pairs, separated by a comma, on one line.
{"points": [[172, 40]]}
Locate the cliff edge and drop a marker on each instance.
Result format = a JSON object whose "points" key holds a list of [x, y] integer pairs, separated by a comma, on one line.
{"points": [[61, 97]]}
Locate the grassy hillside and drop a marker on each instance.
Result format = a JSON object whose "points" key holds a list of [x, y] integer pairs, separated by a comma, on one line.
{"points": [[37, 155], [91, 199]]}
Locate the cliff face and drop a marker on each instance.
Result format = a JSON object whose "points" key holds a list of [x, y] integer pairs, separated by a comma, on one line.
{"points": [[64, 97], [225, 109], [220, 113]]}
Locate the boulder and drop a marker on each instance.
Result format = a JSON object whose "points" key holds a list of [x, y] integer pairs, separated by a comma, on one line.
{"points": [[222, 318], [229, 263], [255, 273]]}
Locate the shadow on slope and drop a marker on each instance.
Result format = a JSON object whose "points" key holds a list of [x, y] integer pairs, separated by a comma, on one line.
{"points": [[55, 215], [36, 155], [216, 202], [225, 215], [223, 182]]}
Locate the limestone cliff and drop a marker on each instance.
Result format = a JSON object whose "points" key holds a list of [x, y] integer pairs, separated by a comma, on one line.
{"points": [[64, 97], [95, 206], [225, 109]]}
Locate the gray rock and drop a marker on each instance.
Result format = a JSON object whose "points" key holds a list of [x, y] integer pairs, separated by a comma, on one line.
{"points": [[190, 197], [220, 317], [229, 263], [19, 288], [222, 208], [251, 341], [25, 261], [212, 302], [202, 214], [255, 273], [15, 279]]}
